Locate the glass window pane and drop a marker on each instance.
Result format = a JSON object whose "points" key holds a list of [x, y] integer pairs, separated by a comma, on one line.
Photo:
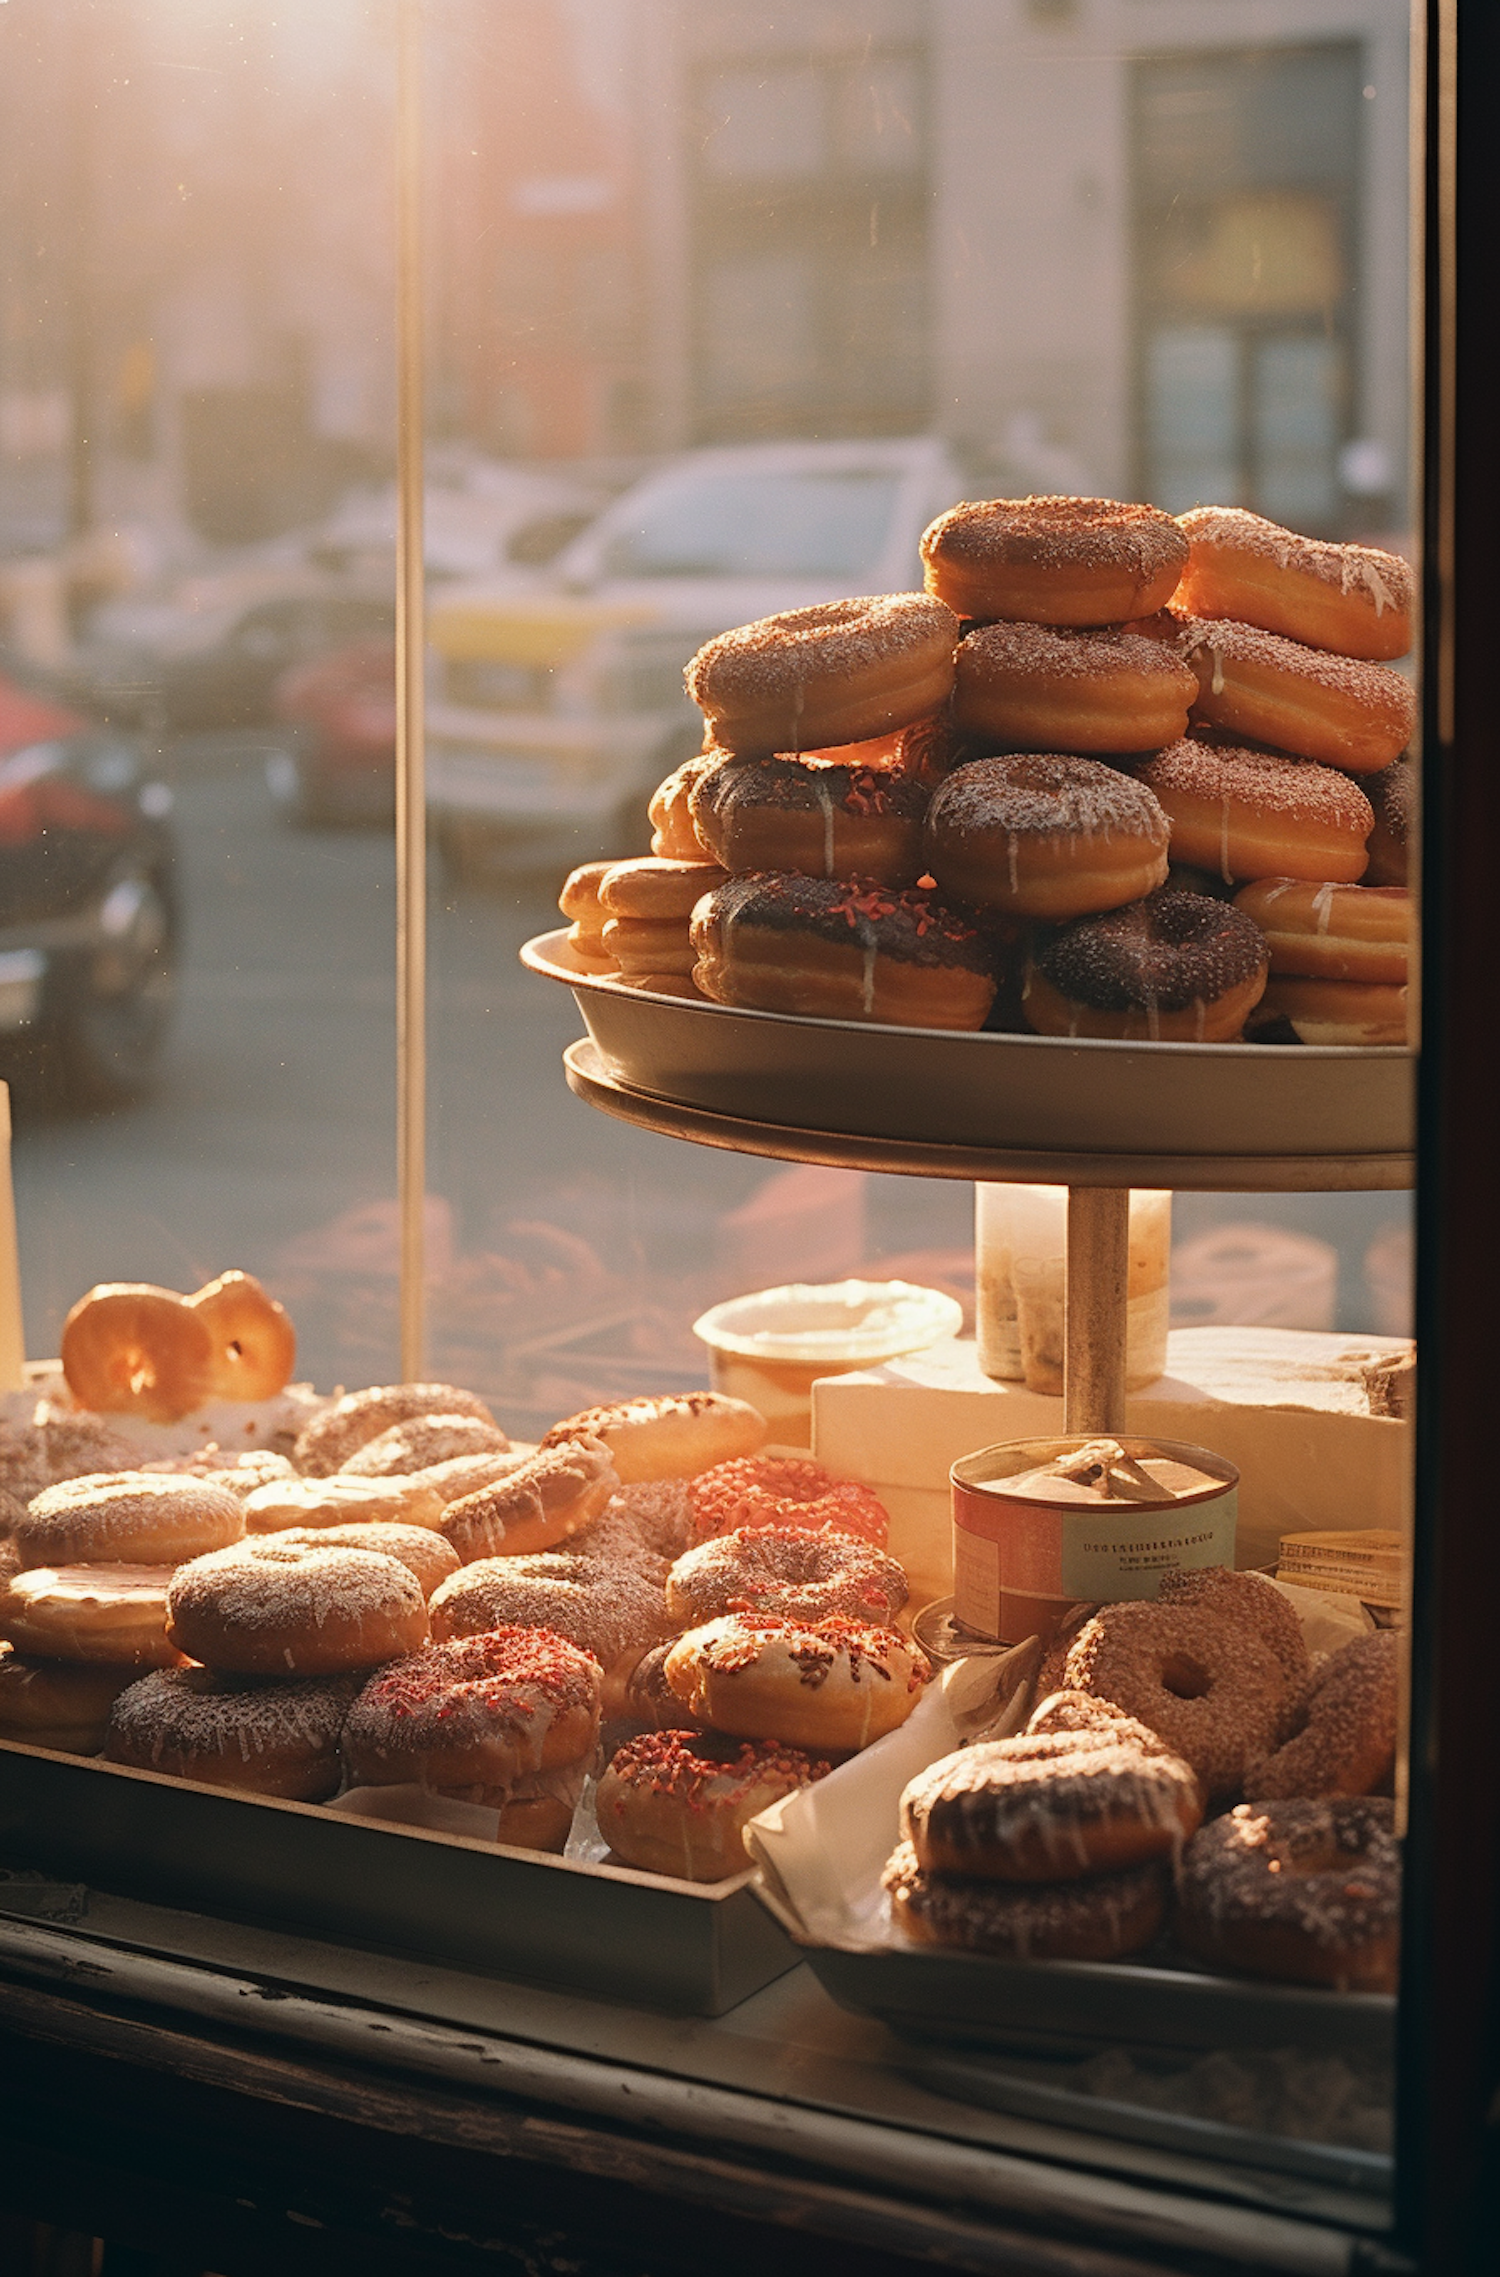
{"points": [[1192, 410]]}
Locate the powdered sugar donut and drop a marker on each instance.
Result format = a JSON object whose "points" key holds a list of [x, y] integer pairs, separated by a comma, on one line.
{"points": [[831, 1686], [1045, 836], [1352, 600], [127, 1518], [424, 1553], [1047, 1806], [785, 1490], [1333, 708], [1254, 814], [1054, 560], [1098, 1918], [675, 1435], [1345, 1726], [342, 1429], [473, 1716], [233, 1731], [677, 1802], [1048, 688], [836, 673], [788, 1570], [615, 1612], [274, 1608], [421, 1443]]}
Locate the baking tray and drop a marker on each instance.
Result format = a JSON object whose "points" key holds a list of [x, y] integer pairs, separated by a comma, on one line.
{"points": [[690, 1948], [1212, 1116]]}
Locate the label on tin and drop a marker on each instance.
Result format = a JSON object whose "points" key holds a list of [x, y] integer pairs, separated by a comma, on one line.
{"points": [[1106, 1558]]}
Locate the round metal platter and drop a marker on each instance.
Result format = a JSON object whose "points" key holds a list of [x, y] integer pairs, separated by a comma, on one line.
{"points": [[1217, 1117]]}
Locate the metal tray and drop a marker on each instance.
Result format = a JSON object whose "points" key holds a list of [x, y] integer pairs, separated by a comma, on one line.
{"points": [[693, 1949], [1217, 1117]]}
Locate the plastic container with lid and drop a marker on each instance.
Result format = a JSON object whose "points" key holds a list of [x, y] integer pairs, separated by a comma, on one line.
{"points": [[771, 1347]]}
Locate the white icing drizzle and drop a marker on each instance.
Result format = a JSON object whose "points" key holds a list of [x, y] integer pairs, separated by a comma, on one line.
{"points": [[825, 801]]}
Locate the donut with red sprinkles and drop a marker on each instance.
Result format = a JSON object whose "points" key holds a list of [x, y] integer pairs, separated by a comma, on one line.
{"points": [[475, 1716], [678, 1802], [791, 1570], [784, 1490]]}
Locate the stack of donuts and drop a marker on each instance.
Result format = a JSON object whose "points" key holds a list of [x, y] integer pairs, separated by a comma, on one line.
{"points": [[1112, 774]]}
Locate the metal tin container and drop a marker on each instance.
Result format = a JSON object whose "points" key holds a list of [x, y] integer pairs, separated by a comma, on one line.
{"points": [[1027, 1556]]}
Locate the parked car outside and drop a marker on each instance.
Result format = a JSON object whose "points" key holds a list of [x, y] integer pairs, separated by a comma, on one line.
{"points": [[89, 919], [337, 762], [553, 713]]}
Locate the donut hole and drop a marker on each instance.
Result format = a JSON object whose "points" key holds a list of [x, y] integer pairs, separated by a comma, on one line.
{"points": [[1184, 1677]]}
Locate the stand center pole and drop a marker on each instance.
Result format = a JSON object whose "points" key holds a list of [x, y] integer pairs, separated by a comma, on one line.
{"points": [[1097, 1286]]}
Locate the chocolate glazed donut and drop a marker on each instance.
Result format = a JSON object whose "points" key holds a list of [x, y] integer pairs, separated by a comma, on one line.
{"points": [[822, 821], [1174, 968]]}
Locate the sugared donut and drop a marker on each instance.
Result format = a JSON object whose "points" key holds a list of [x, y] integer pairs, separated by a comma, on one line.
{"points": [[466, 1474], [1174, 968], [1308, 1891], [1043, 1807], [1051, 688], [112, 1614], [57, 1703], [831, 1685], [678, 1802], [1346, 1725], [785, 1490], [1254, 814], [674, 1435], [579, 903], [1045, 836], [779, 942], [788, 1570], [1208, 1685], [254, 1342], [836, 673], [233, 1731], [473, 1717], [425, 1554], [128, 1518], [1352, 600], [822, 821], [327, 1442], [1054, 560], [274, 1608], [1351, 1012], [1331, 932], [239, 1475], [1096, 1919], [537, 1505], [615, 1612], [421, 1443], [673, 832], [1334, 708], [131, 1349], [655, 1513], [1393, 795], [341, 1500]]}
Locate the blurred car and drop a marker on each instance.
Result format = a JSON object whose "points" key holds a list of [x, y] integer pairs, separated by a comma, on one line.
{"points": [[552, 713], [338, 763], [89, 920]]}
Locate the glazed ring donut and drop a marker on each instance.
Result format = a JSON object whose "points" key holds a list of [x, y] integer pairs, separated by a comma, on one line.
{"points": [[676, 1435], [1054, 561], [800, 1575], [341, 1501], [1333, 708], [1350, 1012], [1211, 1687], [424, 1553], [57, 1703], [673, 833], [536, 1506], [341, 1430], [1047, 1806], [1346, 1727], [678, 1802], [823, 821], [128, 1518], [273, 1608], [779, 942], [1045, 836], [1351, 600], [579, 903], [1174, 968], [785, 1490], [1050, 688], [832, 1685], [466, 1474], [473, 1717], [255, 1344], [131, 1349], [615, 1612], [1393, 795], [1331, 932], [232, 1731], [1254, 814], [1099, 1918], [839, 672], [421, 1443], [1308, 1891], [647, 904], [114, 1614]]}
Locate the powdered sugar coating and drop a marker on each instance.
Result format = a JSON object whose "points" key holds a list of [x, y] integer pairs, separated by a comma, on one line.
{"points": [[331, 1438], [266, 1593], [1209, 643], [1055, 532], [1098, 1917], [1065, 652], [832, 640], [788, 1570], [1295, 791], [1044, 795], [607, 1610], [655, 1515], [425, 1554], [1320, 1878], [1382, 577], [422, 1442], [1048, 1805], [59, 1446], [129, 1517], [1165, 953], [1346, 1723]]}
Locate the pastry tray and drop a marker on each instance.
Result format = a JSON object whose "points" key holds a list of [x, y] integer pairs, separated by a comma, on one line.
{"points": [[1216, 1117], [689, 1948]]}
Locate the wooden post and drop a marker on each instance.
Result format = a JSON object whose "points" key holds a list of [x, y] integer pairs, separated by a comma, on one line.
{"points": [[1098, 1273]]}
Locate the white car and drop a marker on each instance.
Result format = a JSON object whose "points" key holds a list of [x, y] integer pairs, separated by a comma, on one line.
{"points": [[552, 714]]}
